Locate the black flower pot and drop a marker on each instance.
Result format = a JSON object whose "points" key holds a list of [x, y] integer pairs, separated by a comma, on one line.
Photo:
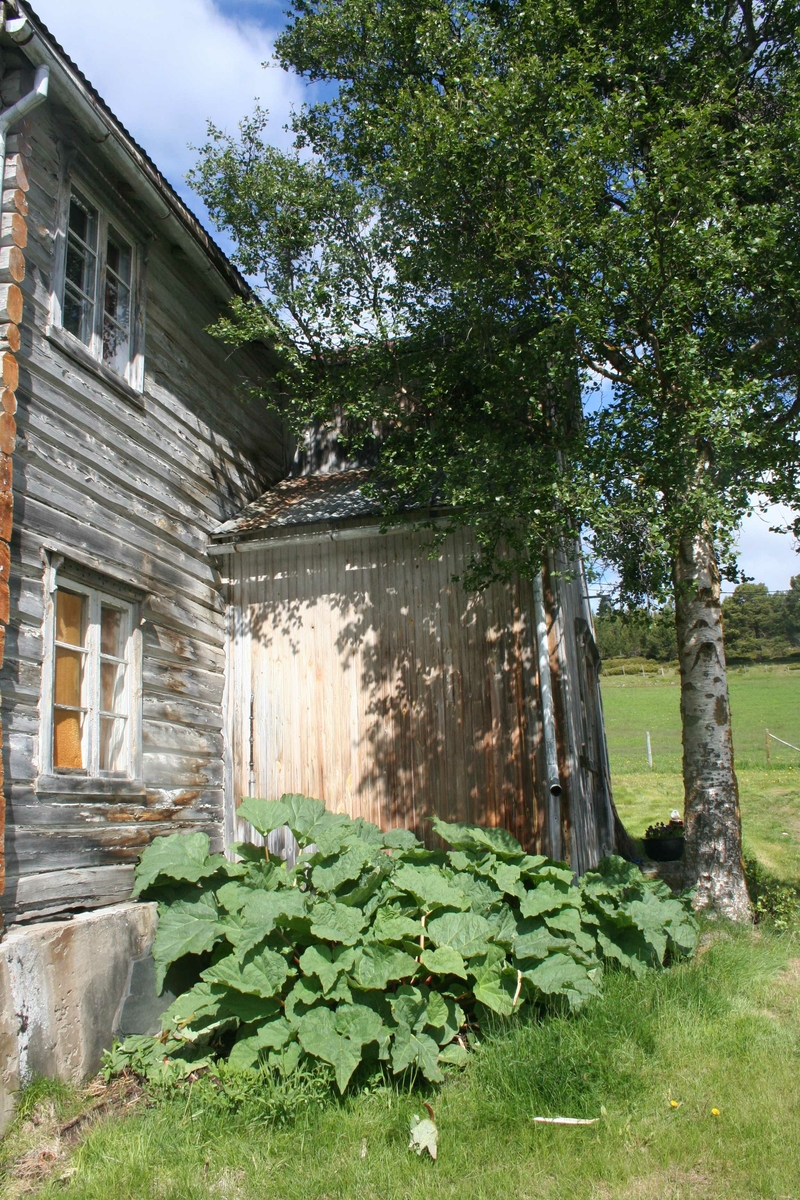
{"points": [[664, 849]]}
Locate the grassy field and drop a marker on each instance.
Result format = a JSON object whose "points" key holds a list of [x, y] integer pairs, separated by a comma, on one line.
{"points": [[719, 1033], [761, 698]]}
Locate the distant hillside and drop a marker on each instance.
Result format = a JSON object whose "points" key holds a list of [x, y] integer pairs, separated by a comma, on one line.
{"points": [[760, 626]]}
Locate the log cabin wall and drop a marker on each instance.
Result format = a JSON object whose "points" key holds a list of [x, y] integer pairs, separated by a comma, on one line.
{"points": [[368, 678], [125, 487]]}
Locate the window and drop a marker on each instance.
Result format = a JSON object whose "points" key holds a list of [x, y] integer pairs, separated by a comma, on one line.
{"points": [[90, 684], [97, 300]]}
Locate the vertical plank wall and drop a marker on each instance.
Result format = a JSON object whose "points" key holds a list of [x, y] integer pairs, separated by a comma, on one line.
{"points": [[383, 688], [131, 489]]}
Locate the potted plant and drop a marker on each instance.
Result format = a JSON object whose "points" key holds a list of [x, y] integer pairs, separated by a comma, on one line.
{"points": [[663, 842]]}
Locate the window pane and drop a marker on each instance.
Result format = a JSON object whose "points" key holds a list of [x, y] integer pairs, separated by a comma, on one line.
{"points": [[115, 346], [112, 688], [113, 744], [118, 257], [70, 614], [83, 220], [112, 632], [67, 739], [80, 267], [78, 315], [69, 677]]}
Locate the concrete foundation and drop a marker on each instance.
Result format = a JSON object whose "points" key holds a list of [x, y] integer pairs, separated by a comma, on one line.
{"points": [[67, 987]]}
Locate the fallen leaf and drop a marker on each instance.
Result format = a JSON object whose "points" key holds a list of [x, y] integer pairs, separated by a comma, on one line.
{"points": [[424, 1135]]}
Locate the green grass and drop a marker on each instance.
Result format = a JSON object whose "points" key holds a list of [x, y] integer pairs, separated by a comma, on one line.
{"points": [[720, 1032], [761, 698]]}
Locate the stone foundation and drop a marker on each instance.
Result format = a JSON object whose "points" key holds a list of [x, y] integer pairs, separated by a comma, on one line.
{"points": [[67, 987]]}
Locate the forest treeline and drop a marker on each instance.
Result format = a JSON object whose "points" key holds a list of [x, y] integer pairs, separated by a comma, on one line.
{"points": [[760, 626]]}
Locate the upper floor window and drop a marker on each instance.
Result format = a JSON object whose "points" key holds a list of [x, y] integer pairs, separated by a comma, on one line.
{"points": [[99, 284]]}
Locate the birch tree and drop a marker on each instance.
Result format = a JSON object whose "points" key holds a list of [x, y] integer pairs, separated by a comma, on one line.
{"points": [[504, 197]]}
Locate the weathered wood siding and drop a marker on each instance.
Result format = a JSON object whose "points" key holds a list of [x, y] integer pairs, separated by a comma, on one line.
{"points": [[131, 489], [380, 686]]}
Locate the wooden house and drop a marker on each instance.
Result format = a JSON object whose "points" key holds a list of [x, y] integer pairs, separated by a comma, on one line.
{"points": [[181, 627], [124, 444]]}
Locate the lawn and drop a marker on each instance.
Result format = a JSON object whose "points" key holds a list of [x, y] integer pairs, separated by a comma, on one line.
{"points": [[761, 698], [721, 1032]]}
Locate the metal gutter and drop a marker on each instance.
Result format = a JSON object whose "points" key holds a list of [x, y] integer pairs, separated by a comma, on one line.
{"points": [[316, 534], [70, 87]]}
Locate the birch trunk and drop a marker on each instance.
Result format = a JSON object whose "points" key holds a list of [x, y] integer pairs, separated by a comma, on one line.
{"points": [[713, 822]]}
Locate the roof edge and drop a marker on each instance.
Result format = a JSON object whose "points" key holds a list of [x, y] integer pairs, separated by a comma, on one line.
{"points": [[41, 47]]}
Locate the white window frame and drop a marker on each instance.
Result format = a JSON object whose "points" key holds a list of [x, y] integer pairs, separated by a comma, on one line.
{"points": [[133, 373], [97, 596]]}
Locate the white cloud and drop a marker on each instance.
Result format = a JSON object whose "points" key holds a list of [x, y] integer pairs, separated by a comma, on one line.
{"points": [[769, 558], [165, 69]]}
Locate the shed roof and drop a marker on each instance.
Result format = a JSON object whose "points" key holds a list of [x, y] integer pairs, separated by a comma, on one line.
{"points": [[305, 500]]}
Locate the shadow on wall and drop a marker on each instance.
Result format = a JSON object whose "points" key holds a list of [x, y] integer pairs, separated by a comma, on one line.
{"points": [[384, 688]]}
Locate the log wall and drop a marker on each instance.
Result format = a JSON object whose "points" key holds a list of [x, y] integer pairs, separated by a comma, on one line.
{"points": [[130, 487]]}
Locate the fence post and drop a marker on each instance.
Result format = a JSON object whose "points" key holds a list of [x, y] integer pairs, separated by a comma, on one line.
{"points": [[766, 739], [649, 751]]}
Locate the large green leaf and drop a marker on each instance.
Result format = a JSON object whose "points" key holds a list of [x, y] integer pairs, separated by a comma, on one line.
{"points": [[359, 1023], [185, 927], [319, 1036], [336, 922], [202, 1002], [466, 932], [249, 1046], [561, 975], [444, 961], [546, 898], [416, 1049], [409, 1006], [181, 856], [331, 873], [391, 926], [326, 964], [474, 837], [259, 973], [430, 887], [496, 987], [377, 964]]}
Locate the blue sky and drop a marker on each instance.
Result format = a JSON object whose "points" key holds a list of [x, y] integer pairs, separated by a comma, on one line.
{"points": [[166, 68]]}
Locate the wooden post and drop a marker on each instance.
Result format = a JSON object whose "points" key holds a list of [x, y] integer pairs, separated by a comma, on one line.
{"points": [[766, 739], [649, 751]]}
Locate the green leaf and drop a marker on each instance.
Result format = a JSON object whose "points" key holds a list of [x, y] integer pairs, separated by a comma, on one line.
{"points": [[455, 1055], [318, 1035], [377, 964], [546, 898], [185, 927], [561, 975], [466, 932], [399, 839], [342, 868], [473, 837], [264, 815], [181, 856], [359, 1023], [409, 1006], [259, 973], [247, 1049], [390, 926], [444, 961], [496, 987], [326, 964], [204, 1001], [416, 1049], [430, 887], [336, 922], [306, 993]]}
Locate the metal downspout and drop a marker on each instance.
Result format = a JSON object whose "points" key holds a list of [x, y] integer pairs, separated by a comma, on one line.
{"points": [[24, 105], [553, 814]]}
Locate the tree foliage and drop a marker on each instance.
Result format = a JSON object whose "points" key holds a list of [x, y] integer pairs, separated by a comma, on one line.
{"points": [[374, 948]]}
